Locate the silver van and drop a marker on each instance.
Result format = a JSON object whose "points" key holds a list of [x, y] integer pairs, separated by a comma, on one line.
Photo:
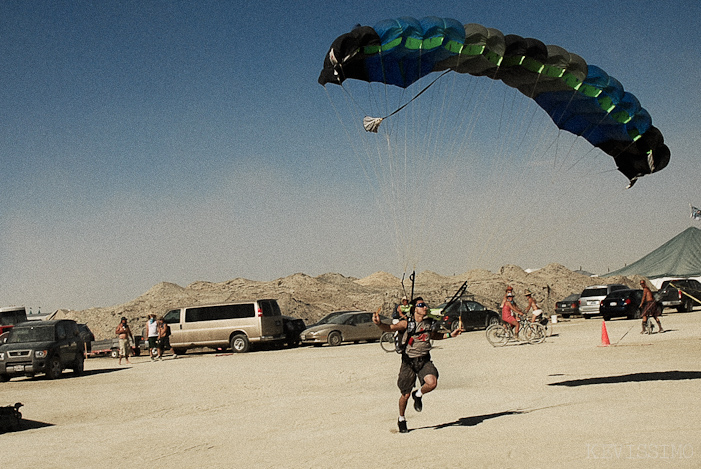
{"points": [[590, 299], [236, 325]]}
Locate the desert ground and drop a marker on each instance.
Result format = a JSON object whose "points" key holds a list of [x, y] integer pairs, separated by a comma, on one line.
{"points": [[568, 402]]}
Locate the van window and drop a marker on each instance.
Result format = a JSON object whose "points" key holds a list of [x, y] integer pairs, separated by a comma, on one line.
{"points": [[270, 308], [172, 317], [214, 313]]}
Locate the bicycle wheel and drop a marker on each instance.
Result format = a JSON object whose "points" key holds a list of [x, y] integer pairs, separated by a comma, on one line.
{"points": [[497, 335], [534, 333], [387, 341]]}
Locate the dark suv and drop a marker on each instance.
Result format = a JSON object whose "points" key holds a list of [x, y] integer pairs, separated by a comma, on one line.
{"points": [[42, 347]]}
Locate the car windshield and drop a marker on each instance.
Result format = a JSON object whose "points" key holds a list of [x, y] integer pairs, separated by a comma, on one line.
{"points": [[328, 318], [31, 334], [594, 292], [340, 319], [572, 297]]}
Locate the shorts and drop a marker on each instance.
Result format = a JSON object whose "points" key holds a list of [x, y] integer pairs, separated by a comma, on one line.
{"points": [[650, 309], [413, 368], [124, 348], [537, 312], [152, 342], [163, 343]]}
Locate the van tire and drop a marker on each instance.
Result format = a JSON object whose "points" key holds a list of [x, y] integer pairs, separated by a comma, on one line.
{"points": [[239, 343]]}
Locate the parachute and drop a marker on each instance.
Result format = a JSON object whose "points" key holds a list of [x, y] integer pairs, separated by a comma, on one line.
{"points": [[579, 98]]}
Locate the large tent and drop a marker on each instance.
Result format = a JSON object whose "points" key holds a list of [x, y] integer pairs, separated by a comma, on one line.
{"points": [[679, 257]]}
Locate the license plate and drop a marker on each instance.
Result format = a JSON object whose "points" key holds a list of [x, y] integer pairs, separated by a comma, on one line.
{"points": [[613, 303], [18, 368]]}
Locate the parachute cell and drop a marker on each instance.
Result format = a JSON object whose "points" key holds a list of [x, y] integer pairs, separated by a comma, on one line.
{"points": [[580, 98]]}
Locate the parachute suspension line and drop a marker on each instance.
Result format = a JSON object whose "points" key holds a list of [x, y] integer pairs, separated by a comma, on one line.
{"points": [[372, 124]]}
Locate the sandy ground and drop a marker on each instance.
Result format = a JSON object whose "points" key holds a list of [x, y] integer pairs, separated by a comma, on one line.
{"points": [[567, 402]]}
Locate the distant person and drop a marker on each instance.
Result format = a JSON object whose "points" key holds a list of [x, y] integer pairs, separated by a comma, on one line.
{"points": [[648, 306], [507, 312], [532, 306], [152, 334], [163, 337], [125, 338], [402, 309], [416, 358], [509, 289]]}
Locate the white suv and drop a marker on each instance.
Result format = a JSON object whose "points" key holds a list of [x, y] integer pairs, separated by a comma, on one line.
{"points": [[591, 297]]}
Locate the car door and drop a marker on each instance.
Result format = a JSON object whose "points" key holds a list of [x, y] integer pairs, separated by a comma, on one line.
{"points": [[472, 317], [367, 330]]}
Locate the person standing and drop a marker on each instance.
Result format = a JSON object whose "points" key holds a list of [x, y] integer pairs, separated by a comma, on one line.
{"points": [[123, 331], [648, 306], [152, 332], [418, 331]]}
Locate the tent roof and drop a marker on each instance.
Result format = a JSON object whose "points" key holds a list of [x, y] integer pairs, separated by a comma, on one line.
{"points": [[678, 257]]}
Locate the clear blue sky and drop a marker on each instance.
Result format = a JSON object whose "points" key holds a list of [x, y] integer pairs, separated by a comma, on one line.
{"points": [[177, 141]]}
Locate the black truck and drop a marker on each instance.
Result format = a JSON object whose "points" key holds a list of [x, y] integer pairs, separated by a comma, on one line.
{"points": [[683, 294]]}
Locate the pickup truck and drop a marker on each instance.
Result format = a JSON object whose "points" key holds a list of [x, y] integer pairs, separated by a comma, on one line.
{"points": [[682, 294]]}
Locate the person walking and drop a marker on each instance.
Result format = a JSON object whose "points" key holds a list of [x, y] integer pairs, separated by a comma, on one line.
{"points": [[418, 331], [648, 306], [163, 338], [152, 332], [123, 331]]}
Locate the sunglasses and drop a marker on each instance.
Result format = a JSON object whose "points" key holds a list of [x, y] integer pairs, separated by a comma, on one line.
{"points": [[421, 305]]}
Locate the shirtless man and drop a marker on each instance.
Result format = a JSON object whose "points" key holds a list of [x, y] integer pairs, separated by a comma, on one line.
{"points": [[649, 306]]}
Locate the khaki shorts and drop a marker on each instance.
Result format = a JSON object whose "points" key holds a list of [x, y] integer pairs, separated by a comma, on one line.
{"points": [[124, 348]]}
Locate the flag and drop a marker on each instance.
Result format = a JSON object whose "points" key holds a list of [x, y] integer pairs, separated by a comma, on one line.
{"points": [[695, 212]]}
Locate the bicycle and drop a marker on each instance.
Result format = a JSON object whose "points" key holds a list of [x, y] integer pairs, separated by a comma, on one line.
{"points": [[500, 334], [387, 341]]}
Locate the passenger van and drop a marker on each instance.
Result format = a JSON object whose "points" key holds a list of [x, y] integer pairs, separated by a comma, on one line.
{"points": [[236, 325]]}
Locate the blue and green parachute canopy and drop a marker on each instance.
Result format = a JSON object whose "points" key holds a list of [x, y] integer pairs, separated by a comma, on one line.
{"points": [[580, 98]]}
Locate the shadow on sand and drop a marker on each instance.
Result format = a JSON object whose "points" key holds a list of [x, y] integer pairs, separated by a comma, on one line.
{"points": [[633, 377], [471, 421]]}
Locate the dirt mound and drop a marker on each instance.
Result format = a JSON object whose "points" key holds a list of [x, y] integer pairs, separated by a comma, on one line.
{"points": [[310, 298]]}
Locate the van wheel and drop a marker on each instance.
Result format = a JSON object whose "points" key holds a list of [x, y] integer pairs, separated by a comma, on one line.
{"points": [[53, 370], [335, 339], [239, 343]]}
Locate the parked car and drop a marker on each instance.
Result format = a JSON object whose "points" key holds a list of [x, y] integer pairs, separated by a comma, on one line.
{"points": [[42, 347], [621, 303], [675, 294], [569, 306], [474, 315], [590, 299], [292, 327], [352, 326], [11, 315]]}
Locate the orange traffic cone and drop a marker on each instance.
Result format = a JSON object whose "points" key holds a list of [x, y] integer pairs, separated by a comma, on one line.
{"points": [[604, 335]]}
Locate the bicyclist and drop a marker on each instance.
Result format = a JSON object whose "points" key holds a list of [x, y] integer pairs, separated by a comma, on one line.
{"points": [[532, 306], [649, 307], [507, 312], [416, 357]]}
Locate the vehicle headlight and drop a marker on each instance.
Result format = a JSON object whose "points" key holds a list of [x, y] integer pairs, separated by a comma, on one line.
{"points": [[40, 353]]}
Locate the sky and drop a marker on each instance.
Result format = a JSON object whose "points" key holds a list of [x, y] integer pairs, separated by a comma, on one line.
{"points": [[175, 141]]}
